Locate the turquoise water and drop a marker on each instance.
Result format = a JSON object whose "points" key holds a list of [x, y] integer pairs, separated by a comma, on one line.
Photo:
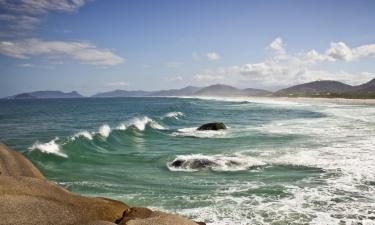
{"points": [[279, 162]]}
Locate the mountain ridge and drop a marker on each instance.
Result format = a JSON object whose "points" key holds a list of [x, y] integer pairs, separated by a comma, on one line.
{"points": [[46, 94], [321, 88], [329, 88]]}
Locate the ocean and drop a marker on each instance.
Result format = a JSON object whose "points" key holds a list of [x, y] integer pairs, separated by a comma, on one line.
{"points": [[279, 162]]}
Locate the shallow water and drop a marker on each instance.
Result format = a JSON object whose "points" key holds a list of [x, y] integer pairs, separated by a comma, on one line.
{"points": [[278, 163]]}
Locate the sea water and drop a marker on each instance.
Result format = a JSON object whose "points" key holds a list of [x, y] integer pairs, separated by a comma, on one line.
{"points": [[279, 162]]}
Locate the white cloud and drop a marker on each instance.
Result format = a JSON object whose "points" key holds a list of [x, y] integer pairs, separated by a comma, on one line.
{"points": [[173, 78], [20, 17], [118, 84], [340, 51], [212, 56], [29, 66], [41, 6], [284, 69], [173, 64], [81, 51], [19, 22], [277, 46], [25, 65]]}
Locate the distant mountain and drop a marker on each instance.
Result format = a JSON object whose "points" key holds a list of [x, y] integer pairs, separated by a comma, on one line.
{"points": [[121, 93], [213, 90], [328, 88], [256, 92], [23, 96], [316, 88], [46, 94], [368, 87], [226, 90], [218, 90], [186, 91]]}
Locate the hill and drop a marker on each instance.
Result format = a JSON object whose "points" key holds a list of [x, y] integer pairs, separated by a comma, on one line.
{"points": [[46, 94], [226, 90], [186, 91], [316, 88], [121, 93]]}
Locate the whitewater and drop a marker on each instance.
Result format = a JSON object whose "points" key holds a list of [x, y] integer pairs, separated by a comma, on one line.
{"points": [[279, 162]]}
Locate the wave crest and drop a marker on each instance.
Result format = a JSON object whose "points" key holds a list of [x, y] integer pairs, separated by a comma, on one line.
{"points": [[174, 115], [196, 162], [193, 132], [104, 130], [84, 134], [50, 147]]}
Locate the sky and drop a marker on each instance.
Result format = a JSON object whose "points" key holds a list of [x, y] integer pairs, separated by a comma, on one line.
{"points": [[99, 45]]}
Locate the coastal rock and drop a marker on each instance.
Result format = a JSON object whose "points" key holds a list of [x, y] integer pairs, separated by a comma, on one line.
{"points": [[100, 222], [143, 216], [212, 126], [28, 198], [13, 163]]}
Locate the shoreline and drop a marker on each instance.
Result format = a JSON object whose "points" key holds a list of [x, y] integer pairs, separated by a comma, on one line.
{"points": [[305, 100]]}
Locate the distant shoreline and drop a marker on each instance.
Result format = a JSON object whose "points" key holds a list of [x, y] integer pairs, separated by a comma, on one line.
{"points": [[343, 101], [340, 101]]}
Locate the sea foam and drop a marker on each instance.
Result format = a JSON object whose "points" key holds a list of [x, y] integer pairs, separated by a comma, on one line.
{"points": [[193, 132], [104, 130], [196, 162], [50, 147], [174, 115]]}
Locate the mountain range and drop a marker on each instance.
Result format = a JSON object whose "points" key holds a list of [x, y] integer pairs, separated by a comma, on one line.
{"points": [[328, 88], [323, 88], [46, 94]]}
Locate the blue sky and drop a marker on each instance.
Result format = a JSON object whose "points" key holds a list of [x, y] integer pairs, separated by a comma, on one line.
{"points": [[101, 45]]}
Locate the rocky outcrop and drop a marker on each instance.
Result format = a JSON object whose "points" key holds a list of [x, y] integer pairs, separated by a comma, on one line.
{"points": [[28, 198], [13, 163], [193, 164], [212, 126], [144, 216]]}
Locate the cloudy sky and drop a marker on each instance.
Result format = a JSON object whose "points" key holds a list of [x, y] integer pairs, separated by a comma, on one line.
{"points": [[99, 45]]}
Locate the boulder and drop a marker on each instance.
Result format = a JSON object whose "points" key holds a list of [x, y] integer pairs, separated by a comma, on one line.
{"points": [[213, 126], [193, 164], [144, 216], [100, 222], [13, 163], [28, 198]]}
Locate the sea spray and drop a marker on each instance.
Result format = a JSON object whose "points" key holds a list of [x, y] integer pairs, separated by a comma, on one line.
{"points": [[174, 115], [50, 147], [104, 130]]}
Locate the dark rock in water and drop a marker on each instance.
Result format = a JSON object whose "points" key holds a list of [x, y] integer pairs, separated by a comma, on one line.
{"points": [[178, 163], [212, 126], [202, 163], [193, 164]]}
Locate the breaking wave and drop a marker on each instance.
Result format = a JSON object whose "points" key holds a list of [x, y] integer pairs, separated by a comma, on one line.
{"points": [[174, 115], [193, 132], [50, 147]]}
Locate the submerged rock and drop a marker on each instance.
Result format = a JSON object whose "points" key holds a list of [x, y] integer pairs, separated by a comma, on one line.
{"points": [[194, 164], [213, 126]]}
